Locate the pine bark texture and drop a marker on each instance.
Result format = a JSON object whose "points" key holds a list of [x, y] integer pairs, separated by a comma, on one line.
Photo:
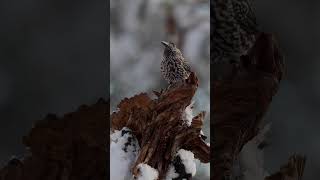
{"points": [[159, 126]]}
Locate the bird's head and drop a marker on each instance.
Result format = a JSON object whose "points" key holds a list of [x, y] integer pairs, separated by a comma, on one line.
{"points": [[170, 48], [168, 45]]}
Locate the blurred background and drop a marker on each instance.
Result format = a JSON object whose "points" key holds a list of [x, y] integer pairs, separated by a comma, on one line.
{"points": [[294, 111], [53, 58], [136, 30]]}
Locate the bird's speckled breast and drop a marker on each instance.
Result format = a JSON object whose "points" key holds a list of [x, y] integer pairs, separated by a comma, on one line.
{"points": [[173, 70]]}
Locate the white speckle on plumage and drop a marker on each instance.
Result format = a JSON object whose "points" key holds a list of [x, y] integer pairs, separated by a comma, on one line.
{"points": [[234, 28], [174, 68]]}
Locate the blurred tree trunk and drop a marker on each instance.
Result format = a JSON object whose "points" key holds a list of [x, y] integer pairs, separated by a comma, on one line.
{"points": [[241, 96]]}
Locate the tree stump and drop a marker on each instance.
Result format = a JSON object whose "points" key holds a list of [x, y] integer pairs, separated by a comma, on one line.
{"points": [[240, 101], [72, 147], [293, 170], [160, 126]]}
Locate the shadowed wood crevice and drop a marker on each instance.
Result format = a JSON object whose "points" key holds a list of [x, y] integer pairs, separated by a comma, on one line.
{"points": [[160, 128]]}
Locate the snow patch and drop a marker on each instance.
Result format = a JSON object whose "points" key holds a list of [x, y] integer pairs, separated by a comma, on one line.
{"points": [[250, 164], [188, 114], [171, 173], [147, 172], [123, 152], [187, 158]]}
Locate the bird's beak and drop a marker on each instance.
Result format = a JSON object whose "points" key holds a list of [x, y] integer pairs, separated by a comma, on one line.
{"points": [[166, 44]]}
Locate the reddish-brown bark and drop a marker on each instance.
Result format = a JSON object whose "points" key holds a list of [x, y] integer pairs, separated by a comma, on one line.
{"points": [[159, 126]]}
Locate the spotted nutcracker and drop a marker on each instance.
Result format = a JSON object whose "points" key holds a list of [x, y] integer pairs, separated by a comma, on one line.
{"points": [[174, 68], [234, 28]]}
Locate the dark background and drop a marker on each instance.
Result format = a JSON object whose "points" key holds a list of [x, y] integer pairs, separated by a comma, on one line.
{"points": [[294, 112], [53, 58]]}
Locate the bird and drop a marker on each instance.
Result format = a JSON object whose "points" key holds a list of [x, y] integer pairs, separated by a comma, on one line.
{"points": [[234, 30], [174, 68]]}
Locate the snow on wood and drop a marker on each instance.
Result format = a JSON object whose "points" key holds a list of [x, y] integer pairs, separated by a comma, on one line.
{"points": [[160, 127]]}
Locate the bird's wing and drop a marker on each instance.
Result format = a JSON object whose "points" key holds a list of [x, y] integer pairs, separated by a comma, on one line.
{"points": [[246, 19], [245, 15], [226, 29], [234, 27], [186, 67]]}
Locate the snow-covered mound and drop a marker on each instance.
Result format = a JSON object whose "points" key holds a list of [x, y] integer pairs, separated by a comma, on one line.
{"points": [[123, 152]]}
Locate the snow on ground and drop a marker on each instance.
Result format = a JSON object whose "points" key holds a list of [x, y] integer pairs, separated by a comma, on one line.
{"points": [[250, 165], [188, 161], [123, 151], [171, 174], [147, 172]]}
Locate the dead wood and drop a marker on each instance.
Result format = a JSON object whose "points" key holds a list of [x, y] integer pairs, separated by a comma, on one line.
{"points": [[72, 147], [293, 170], [241, 100], [160, 128]]}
